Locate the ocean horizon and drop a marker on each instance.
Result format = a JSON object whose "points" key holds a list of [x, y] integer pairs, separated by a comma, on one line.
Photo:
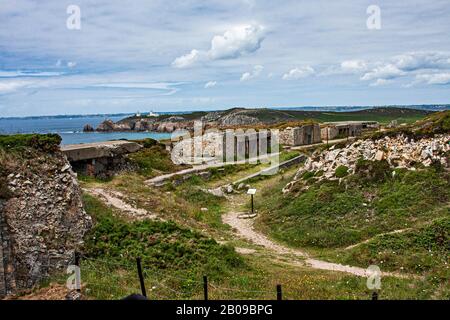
{"points": [[70, 127]]}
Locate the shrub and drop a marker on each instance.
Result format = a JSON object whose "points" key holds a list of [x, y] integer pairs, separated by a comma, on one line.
{"points": [[341, 171], [44, 142], [372, 171], [161, 245]]}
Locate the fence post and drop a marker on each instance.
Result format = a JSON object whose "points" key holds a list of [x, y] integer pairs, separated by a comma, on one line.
{"points": [[205, 287], [77, 264], [279, 294], [374, 295], [141, 276]]}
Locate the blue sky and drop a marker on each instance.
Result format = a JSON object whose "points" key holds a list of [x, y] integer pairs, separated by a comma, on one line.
{"points": [[184, 55]]}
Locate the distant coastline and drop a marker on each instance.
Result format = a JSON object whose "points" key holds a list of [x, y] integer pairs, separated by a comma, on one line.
{"points": [[427, 107]]}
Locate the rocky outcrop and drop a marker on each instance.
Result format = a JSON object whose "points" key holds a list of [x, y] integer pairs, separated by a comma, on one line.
{"points": [[88, 128], [399, 152], [43, 218]]}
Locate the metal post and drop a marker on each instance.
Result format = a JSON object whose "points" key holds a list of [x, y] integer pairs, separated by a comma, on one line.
{"points": [[374, 295], [279, 294], [77, 263], [252, 205], [205, 287], [141, 276]]}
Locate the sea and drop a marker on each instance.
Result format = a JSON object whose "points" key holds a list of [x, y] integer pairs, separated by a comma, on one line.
{"points": [[71, 128]]}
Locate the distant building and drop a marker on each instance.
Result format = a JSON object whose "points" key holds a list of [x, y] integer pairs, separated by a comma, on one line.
{"points": [[301, 135], [343, 129]]}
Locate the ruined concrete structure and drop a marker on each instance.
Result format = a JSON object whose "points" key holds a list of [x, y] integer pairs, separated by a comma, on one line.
{"points": [[342, 129], [101, 159], [303, 135], [219, 146]]}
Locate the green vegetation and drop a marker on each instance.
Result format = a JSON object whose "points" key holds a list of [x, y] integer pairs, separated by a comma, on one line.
{"points": [[419, 250], [153, 159], [341, 171], [164, 248], [333, 215], [435, 123], [44, 142]]}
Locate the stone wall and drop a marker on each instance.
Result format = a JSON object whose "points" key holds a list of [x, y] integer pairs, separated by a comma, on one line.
{"points": [[306, 134], [42, 223]]}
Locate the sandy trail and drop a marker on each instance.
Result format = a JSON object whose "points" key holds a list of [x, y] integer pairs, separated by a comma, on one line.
{"points": [[245, 229], [378, 235], [114, 199]]}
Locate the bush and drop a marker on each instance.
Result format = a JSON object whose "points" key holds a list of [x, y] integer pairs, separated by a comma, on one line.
{"points": [[372, 171], [153, 157], [341, 171], [44, 142], [161, 245]]}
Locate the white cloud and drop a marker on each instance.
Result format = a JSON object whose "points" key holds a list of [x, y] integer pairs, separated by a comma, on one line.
{"points": [[415, 64], [412, 61], [437, 78], [380, 82], [16, 74], [11, 86], [253, 74], [388, 71], [298, 73], [354, 66], [71, 64], [188, 59], [164, 86], [232, 44], [210, 84]]}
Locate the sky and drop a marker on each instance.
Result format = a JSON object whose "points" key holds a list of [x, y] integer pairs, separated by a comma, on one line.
{"points": [[108, 56]]}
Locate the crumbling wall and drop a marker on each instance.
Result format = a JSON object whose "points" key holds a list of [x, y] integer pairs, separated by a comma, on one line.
{"points": [[42, 222]]}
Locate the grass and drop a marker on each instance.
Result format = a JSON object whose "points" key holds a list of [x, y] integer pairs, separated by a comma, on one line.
{"points": [[333, 215], [165, 248], [44, 142], [153, 160]]}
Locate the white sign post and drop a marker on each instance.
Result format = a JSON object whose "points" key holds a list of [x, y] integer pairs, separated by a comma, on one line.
{"points": [[251, 192]]}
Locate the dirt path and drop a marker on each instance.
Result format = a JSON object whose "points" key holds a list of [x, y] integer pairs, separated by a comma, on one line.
{"points": [[246, 230], [114, 199], [378, 235]]}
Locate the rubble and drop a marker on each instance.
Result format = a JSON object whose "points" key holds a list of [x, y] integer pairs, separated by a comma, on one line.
{"points": [[399, 152]]}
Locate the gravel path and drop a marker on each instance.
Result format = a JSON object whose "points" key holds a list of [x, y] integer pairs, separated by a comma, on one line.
{"points": [[245, 229], [114, 199]]}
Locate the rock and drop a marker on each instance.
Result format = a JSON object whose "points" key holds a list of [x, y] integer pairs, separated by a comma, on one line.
{"points": [[107, 125], [229, 189], [203, 209], [88, 128], [379, 155], [216, 192], [45, 218], [399, 151]]}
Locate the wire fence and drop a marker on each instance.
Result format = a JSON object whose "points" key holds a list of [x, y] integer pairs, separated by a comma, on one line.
{"points": [[109, 279]]}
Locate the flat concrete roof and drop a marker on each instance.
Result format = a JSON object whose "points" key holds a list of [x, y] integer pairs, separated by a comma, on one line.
{"points": [[86, 151], [341, 123]]}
